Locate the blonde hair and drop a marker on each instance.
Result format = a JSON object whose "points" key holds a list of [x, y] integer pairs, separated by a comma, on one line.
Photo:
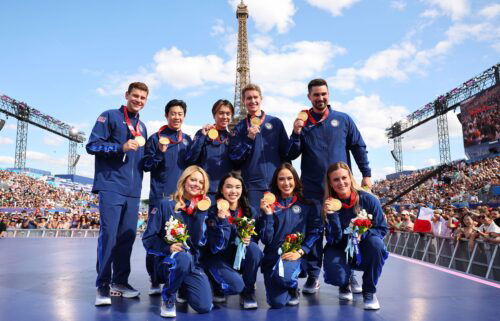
{"points": [[178, 196], [250, 87], [330, 192]]}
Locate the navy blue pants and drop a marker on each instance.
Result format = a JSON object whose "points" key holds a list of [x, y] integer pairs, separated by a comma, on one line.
{"points": [[373, 256], [254, 197], [229, 281], [178, 273], [314, 259], [278, 288], [118, 218], [150, 259]]}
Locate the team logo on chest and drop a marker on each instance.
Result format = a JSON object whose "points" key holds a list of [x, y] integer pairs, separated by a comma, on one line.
{"points": [[296, 209], [154, 210], [334, 123], [268, 126], [185, 141]]}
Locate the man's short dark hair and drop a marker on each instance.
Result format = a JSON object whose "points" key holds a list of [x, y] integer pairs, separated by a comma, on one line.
{"points": [[316, 83], [174, 103], [220, 103], [138, 85]]}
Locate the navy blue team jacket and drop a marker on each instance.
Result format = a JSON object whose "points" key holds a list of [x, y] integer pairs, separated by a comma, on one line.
{"points": [[153, 237], [165, 168], [326, 143], [113, 170], [303, 217], [259, 158], [339, 221], [212, 156]]}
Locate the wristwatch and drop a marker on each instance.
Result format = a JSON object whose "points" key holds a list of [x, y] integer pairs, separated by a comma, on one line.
{"points": [[301, 252]]}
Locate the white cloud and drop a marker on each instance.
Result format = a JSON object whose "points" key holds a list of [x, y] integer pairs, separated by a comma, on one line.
{"points": [[335, 8], [218, 28], [404, 59], [426, 136], [398, 5], [47, 159], [490, 11], [430, 162], [270, 14], [372, 117], [293, 65], [7, 160], [53, 140], [430, 13], [10, 126], [6, 141], [456, 9]]}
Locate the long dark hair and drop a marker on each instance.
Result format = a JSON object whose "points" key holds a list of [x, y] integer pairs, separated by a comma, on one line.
{"points": [[243, 201], [298, 189]]}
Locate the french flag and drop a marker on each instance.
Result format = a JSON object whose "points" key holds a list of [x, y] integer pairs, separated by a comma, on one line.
{"points": [[423, 221]]}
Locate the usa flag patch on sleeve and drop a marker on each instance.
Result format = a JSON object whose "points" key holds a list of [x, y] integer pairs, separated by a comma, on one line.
{"points": [[101, 119]]}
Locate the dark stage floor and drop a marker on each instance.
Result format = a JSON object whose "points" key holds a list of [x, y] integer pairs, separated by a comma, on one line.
{"points": [[52, 279]]}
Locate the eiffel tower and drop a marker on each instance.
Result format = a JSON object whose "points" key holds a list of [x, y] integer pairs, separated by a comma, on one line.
{"points": [[242, 64]]}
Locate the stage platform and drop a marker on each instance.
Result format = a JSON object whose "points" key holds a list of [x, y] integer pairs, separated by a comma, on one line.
{"points": [[53, 279]]}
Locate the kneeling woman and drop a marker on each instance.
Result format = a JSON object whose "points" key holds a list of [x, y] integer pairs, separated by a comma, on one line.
{"points": [[177, 265], [234, 259], [281, 221], [370, 258]]}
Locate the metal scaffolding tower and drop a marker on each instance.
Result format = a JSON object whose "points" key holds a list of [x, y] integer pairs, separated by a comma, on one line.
{"points": [[28, 115], [440, 107], [398, 153], [21, 142], [242, 63]]}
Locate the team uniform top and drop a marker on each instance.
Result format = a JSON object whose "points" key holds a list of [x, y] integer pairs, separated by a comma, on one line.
{"points": [[211, 155], [113, 170], [303, 217], [339, 221], [324, 143], [154, 236], [260, 157], [222, 234], [165, 167]]}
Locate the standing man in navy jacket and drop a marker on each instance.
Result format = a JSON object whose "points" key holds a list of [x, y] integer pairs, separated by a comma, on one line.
{"points": [[258, 146], [117, 141], [326, 137]]}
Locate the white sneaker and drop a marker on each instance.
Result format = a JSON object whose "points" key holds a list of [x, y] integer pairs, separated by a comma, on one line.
{"points": [[345, 293], [371, 301], [167, 309], [154, 289], [355, 286], [102, 296], [124, 290]]}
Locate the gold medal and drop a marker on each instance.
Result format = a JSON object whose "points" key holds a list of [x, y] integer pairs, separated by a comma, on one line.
{"points": [[256, 121], [269, 197], [302, 116], [222, 205], [164, 140], [335, 204], [366, 188], [213, 134], [140, 140], [204, 204]]}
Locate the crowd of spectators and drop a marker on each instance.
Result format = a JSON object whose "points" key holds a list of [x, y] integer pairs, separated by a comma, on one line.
{"points": [[36, 203], [450, 195], [461, 182]]}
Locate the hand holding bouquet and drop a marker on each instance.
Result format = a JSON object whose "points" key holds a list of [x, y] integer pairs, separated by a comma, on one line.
{"points": [[176, 232]]}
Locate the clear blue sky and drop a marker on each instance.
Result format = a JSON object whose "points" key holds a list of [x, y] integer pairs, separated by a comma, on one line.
{"points": [[383, 60]]}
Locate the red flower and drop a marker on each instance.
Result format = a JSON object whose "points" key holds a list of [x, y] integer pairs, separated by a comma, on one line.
{"points": [[230, 219], [173, 232]]}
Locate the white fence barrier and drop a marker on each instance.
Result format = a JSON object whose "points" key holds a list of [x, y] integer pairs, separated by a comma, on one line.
{"points": [[479, 258]]}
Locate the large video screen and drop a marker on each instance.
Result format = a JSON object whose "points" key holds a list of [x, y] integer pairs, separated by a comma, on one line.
{"points": [[480, 118]]}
